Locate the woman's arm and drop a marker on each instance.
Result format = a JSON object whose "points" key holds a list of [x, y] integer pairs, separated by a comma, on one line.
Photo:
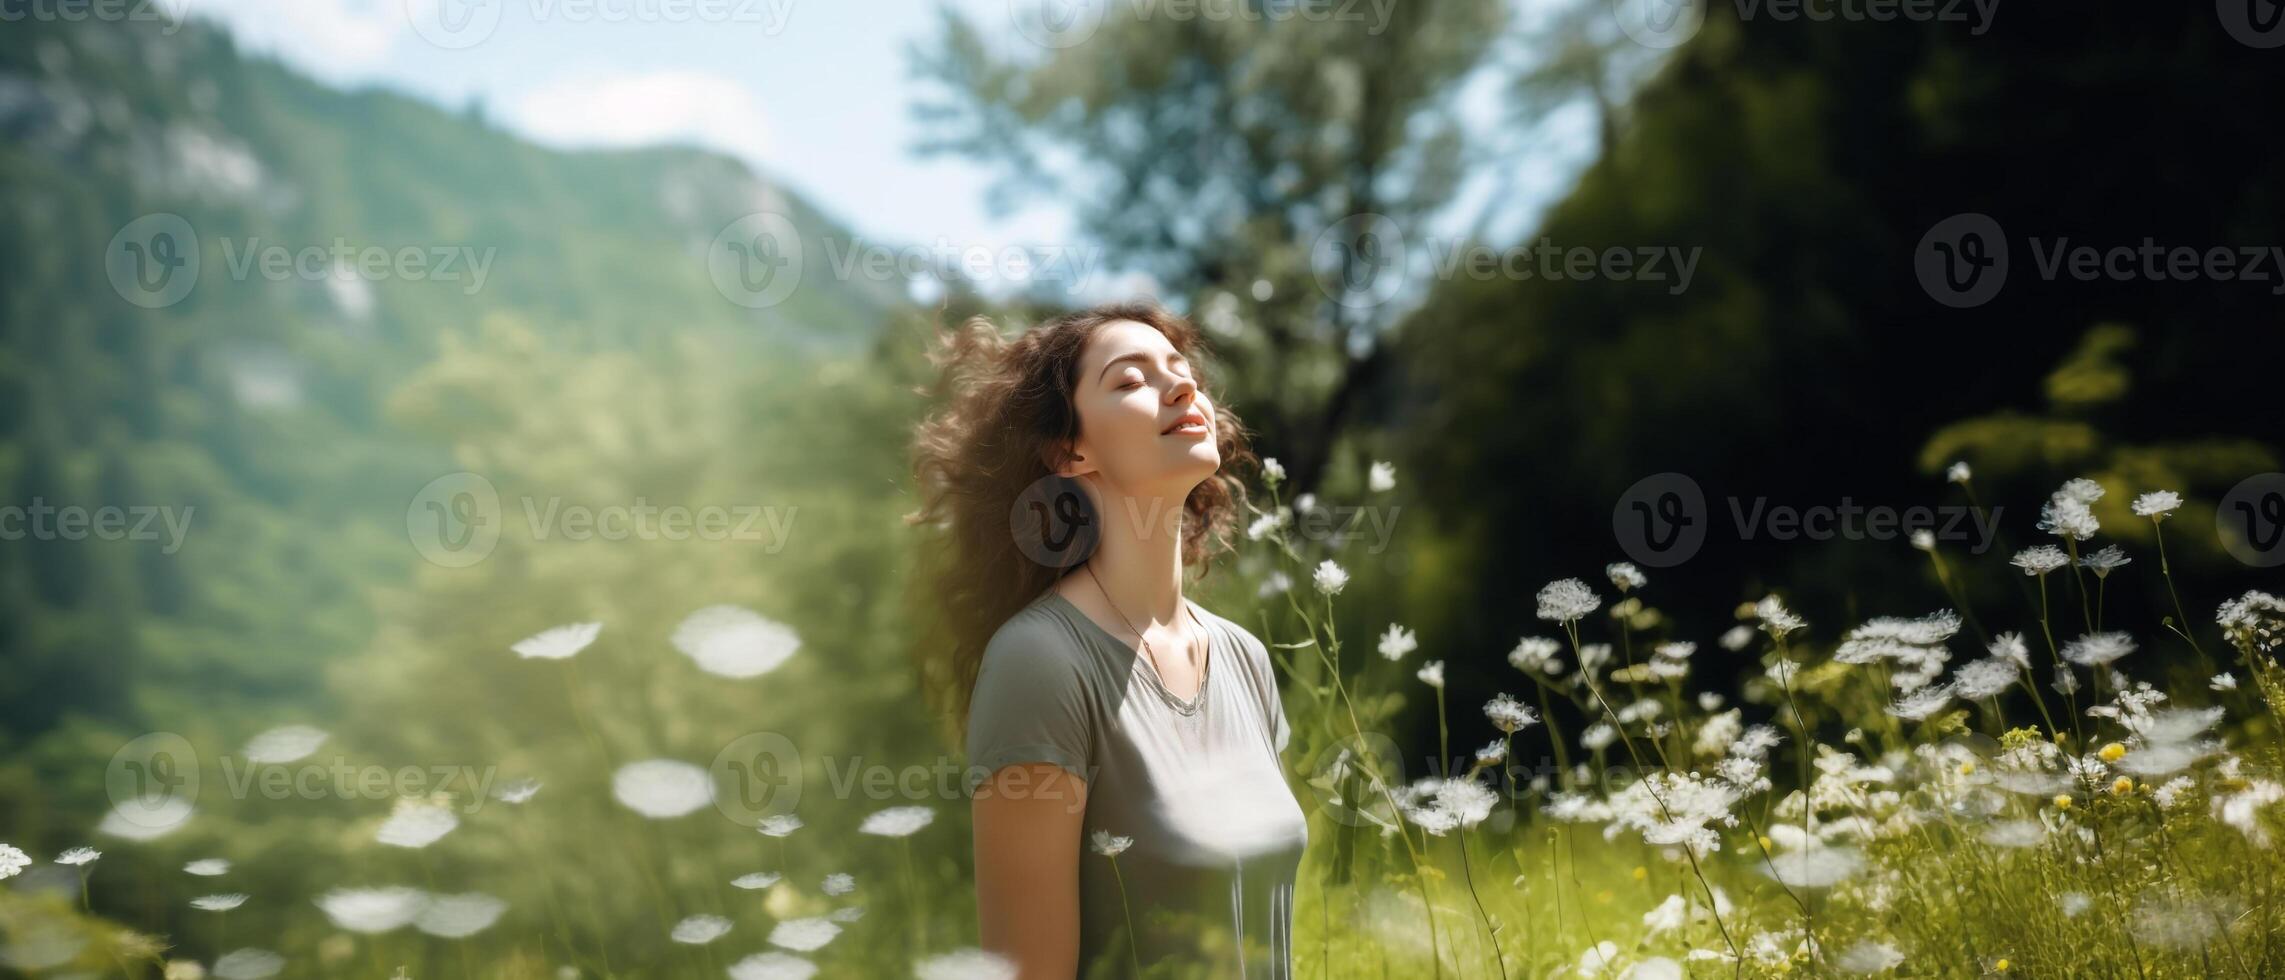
{"points": [[1028, 818]]}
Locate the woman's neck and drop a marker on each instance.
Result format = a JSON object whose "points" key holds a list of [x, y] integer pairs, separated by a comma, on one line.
{"points": [[1139, 557]]}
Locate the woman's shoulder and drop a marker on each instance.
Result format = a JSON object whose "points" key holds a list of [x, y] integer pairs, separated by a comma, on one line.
{"points": [[1034, 636], [1244, 638]]}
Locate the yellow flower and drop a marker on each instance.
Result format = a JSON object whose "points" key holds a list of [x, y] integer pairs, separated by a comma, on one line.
{"points": [[1641, 873], [2112, 752], [2062, 801], [1967, 768], [1766, 843], [2000, 966], [2121, 786]]}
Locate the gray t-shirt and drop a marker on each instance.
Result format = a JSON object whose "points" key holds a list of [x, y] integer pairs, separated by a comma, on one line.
{"points": [[1218, 834]]}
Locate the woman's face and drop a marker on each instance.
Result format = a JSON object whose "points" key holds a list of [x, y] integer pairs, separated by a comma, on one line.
{"points": [[1145, 427]]}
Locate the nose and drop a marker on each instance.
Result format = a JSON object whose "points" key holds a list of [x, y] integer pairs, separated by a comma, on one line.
{"points": [[1182, 391]]}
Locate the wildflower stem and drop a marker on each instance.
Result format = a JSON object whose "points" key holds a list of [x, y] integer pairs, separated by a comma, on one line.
{"points": [[2070, 695], [1571, 629], [1443, 738], [1959, 596], [2166, 571], [1468, 874], [1801, 725], [1134, 958], [2079, 584], [1554, 737], [1328, 655]]}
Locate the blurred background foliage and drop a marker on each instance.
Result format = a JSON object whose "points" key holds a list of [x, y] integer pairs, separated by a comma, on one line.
{"points": [[297, 421]]}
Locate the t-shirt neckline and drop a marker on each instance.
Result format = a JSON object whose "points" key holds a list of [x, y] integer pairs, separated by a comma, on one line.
{"points": [[1142, 664]]}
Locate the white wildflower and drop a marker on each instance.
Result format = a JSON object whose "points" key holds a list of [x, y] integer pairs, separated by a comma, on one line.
{"points": [[1567, 600], [2157, 504], [662, 788], [1509, 715], [1397, 642], [416, 824], [898, 821], [2040, 559], [1625, 576], [804, 935], [559, 642], [735, 642], [2098, 649], [698, 930]]}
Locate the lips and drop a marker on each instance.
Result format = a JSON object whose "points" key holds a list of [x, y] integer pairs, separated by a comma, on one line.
{"points": [[1188, 418]]}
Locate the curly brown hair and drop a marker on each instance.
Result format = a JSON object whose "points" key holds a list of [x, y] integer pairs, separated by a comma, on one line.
{"points": [[1004, 421]]}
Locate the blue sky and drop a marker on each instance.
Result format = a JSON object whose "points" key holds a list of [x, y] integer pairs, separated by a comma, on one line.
{"points": [[815, 94]]}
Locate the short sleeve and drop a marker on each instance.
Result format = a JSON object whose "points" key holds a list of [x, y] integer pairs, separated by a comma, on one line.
{"points": [[1273, 707], [1031, 703]]}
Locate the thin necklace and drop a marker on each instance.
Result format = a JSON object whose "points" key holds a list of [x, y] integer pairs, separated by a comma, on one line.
{"points": [[1187, 646]]}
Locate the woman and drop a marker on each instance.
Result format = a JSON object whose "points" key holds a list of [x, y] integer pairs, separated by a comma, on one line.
{"points": [[1078, 472]]}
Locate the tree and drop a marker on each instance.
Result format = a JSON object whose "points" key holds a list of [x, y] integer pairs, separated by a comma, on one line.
{"points": [[1234, 161]]}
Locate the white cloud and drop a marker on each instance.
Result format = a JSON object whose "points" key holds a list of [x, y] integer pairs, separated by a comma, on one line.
{"points": [[634, 109], [337, 40]]}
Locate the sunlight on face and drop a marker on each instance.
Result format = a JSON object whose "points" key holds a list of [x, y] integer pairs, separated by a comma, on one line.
{"points": [[1144, 424]]}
